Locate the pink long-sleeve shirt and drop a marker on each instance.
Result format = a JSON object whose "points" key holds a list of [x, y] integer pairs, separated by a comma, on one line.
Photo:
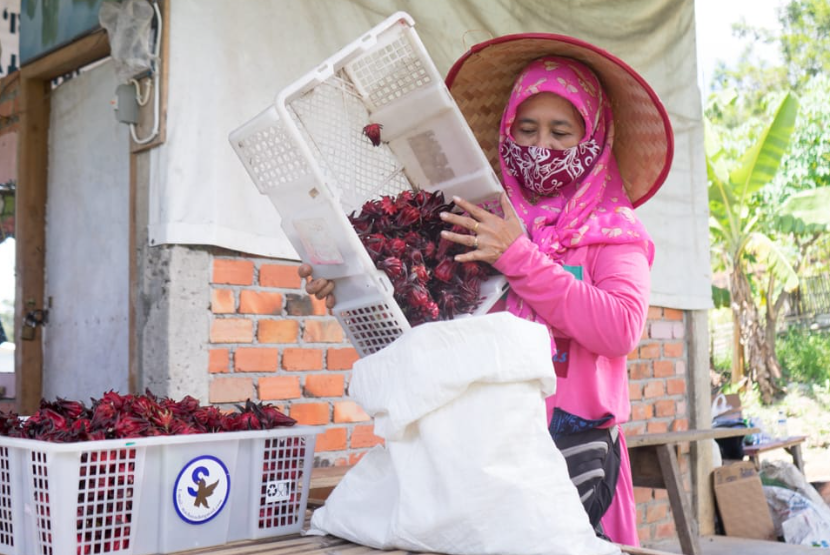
{"points": [[598, 299]]}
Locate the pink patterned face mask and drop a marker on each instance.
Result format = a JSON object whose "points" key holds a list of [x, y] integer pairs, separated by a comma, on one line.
{"points": [[545, 170]]}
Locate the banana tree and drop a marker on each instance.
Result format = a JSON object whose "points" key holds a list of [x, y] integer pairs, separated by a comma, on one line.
{"points": [[738, 239]]}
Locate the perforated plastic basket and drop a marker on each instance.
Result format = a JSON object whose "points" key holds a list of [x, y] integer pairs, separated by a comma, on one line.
{"points": [[308, 154], [152, 495]]}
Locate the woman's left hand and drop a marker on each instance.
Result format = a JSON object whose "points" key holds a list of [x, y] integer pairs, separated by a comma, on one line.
{"points": [[491, 234]]}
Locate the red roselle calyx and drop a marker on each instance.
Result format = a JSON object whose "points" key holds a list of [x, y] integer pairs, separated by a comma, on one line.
{"points": [[116, 416], [403, 238]]}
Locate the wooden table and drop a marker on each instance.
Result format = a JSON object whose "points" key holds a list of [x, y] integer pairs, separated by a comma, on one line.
{"points": [[654, 465], [791, 445], [296, 544]]}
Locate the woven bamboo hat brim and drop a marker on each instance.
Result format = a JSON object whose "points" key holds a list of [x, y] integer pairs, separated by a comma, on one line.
{"points": [[482, 79]]}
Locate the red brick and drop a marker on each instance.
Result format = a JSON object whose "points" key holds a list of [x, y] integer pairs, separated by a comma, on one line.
{"points": [[232, 330], [672, 314], [680, 425], [654, 313], [652, 350], [278, 331], [661, 493], [260, 302], [673, 350], [298, 305], [643, 495], [231, 390], [297, 358], [280, 275], [312, 414], [639, 371], [332, 439], [349, 411], [676, 387], [660, 330], [318, 307], [255, 359], [325, 385], [222, 301], [656, 511], [664, 407], [641, 411], [363, 436], [218, 361], [341, 359], [633, 355], [678, 330], [635, 391], [233, 272], [644, 534], [665, 530], [654, 388], [663, 368], [273, 388], [323, 331], [655, 427]]}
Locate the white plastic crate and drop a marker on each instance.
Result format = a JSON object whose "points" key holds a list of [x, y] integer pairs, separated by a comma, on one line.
{"points": [[152, 495], [309, 155]]}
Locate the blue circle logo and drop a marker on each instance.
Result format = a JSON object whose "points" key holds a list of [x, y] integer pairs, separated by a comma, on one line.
{"points": [[201, 489]]}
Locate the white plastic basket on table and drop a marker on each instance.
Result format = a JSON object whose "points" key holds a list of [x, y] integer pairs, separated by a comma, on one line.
{"points": [[309, 155], [152, 495]]}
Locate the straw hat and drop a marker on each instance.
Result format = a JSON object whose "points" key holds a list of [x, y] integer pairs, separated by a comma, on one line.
{"points": [[482, 79]]}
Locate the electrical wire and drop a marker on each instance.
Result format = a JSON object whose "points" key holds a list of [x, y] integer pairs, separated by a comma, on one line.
{"points": [[154, 82]]}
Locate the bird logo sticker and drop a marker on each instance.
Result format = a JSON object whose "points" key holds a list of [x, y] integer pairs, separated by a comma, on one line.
{"points": [[201, 489]]}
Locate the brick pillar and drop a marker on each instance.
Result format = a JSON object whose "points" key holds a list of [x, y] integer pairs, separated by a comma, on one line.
{"points": [[271, 342]]}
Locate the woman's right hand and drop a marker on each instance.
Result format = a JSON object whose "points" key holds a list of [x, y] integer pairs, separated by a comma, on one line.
{"points": [[320, 288]]}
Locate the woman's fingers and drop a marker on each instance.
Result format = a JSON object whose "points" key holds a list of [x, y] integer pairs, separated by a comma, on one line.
{"points": [[320, 288], [304, 270]]}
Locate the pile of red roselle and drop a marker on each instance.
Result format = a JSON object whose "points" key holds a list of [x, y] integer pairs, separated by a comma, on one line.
{"points": [[115, 416], [403, 238]]}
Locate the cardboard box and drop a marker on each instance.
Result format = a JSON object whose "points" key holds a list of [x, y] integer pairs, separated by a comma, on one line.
{"points": [[741, 502]]}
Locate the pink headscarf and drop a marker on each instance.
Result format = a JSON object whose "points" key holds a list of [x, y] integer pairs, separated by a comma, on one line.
{"points": [[593, 210]]}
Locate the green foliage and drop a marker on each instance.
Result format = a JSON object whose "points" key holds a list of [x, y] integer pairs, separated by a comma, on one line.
{"points": [[804, 39], [804, 355]]}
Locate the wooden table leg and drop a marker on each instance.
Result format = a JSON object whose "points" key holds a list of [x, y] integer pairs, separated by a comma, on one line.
{"points": [[684, 521], [795, 452]]}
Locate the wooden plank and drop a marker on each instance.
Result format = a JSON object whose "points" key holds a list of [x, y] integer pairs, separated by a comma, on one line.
{"points": [[30, 235], [784, 443], [700, 417], [30, 201], [683, 519], [686, 436]]}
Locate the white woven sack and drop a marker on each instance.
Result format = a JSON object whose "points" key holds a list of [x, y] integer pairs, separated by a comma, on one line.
{"points": [[468, 466]]}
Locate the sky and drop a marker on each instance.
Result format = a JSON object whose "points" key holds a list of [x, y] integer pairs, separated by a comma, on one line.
{"points": [[715, 42], [714, 19]]}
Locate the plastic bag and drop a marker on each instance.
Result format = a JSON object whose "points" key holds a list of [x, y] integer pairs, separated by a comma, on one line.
{"points": [[796, 518], [469, 466], [128, 25]]}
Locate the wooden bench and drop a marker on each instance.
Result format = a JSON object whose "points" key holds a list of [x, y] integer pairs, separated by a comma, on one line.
{"points": [[654, 465], [791, 445]]}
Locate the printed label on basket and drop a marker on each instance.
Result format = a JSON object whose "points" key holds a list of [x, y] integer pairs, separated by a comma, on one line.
{"points": [[201, 489], [318, 241], [278, 490]]}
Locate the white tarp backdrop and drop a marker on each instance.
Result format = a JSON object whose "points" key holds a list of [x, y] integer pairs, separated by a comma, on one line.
{"points": [[229, 60]]}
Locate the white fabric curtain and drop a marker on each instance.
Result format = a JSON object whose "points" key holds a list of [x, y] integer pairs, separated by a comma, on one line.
{"points": [[229, 60]]}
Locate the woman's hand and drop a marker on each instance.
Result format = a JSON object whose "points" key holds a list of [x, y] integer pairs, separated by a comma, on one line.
{"points": [[492, 235], [320, 288]]}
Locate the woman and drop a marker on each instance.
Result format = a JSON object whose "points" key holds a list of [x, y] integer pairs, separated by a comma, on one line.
{"points": [[575, 255]]}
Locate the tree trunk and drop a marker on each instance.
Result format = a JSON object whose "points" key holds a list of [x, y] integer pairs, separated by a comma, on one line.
{"points": [[762, 365]]}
